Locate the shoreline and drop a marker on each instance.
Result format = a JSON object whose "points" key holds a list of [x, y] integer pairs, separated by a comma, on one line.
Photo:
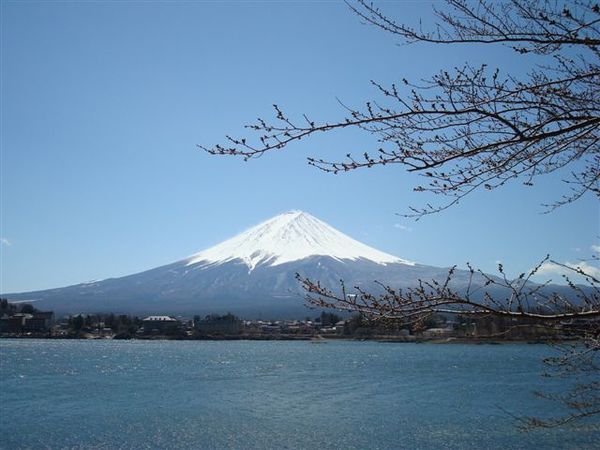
{"points": [[308, 338]]}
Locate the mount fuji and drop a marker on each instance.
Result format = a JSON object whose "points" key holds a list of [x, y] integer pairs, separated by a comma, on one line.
{"points": [[251, 274], [290, 237]]}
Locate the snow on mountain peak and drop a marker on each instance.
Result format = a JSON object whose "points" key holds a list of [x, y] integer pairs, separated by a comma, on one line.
{"points": [[290, 236]]}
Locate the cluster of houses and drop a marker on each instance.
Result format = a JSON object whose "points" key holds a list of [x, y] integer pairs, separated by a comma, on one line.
{"points": [[230, 325], [18, 320], [30, 321], [293, 327]]}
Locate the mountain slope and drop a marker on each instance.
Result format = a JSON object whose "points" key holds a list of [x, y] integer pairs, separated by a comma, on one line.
{"points": [[252, 274]]}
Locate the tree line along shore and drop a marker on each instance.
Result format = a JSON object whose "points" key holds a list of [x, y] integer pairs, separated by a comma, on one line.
{"points": [[25, 321]]}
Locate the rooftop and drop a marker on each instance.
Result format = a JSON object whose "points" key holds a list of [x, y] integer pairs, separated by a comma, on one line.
{"points": [[159, 319]]}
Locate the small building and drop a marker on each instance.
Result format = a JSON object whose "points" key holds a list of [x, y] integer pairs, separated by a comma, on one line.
{"points": [[40, 321], [13, 323], [327, 330], [106, 332], [36, 322], [438, 332], [339, 326], [159, 324]]}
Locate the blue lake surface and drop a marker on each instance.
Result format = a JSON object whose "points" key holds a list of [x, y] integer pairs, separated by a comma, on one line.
{"points": [[275, 395]]}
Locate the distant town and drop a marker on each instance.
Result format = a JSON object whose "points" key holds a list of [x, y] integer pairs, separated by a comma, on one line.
{"points": [[22, 320]]}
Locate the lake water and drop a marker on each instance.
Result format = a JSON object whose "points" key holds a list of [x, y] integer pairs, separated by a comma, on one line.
{"points": [[275, 395]]}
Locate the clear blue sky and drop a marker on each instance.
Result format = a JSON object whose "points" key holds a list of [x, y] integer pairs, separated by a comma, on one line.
{"points": [[103, 104]]}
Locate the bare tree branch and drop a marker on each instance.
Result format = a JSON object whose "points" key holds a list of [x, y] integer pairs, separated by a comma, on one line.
{"points": [[522, 298], [472, 127]]}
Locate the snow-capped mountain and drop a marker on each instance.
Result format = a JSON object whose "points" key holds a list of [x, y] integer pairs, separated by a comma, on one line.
{"points": [[251, 274], [288, 237]]}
